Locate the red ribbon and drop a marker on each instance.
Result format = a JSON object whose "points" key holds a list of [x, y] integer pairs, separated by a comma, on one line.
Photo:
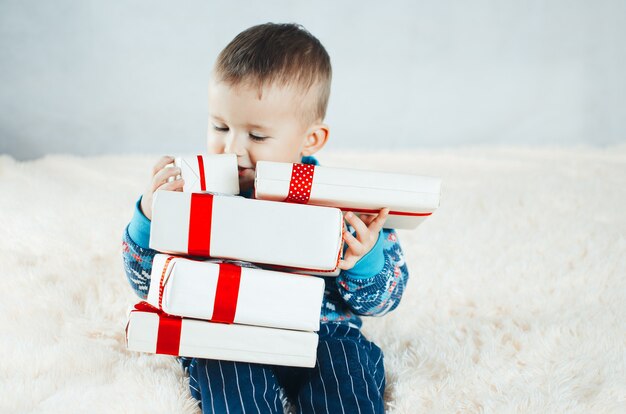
{"points": [[201, 169], [300, 183], [201, 211], [226, 294], [168, 335]]}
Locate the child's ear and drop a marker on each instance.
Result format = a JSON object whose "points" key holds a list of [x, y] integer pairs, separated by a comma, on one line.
{"points": [[316, 138]]}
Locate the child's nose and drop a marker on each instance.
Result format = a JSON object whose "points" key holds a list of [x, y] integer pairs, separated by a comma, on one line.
{"points": [[233, 145]]}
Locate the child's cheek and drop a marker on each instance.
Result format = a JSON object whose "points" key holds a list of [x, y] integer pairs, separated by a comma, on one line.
{"points": [[214, 146]]}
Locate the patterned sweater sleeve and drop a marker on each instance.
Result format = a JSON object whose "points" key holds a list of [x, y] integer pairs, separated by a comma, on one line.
{"points": [[374, 286], [136, 254]]}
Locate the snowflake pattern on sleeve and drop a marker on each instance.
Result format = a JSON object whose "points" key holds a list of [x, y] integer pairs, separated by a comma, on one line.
{"points": [[381, 293], [137, 265]]}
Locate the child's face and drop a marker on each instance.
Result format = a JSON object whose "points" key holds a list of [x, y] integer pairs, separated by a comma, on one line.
{"points": [[269, 128]]}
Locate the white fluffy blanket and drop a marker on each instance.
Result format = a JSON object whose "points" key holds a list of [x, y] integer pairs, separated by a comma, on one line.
{"points": [[516, 301]]}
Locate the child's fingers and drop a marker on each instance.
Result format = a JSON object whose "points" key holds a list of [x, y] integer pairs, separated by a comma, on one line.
{"points": [[355, 246], [176, 185], [161, 163], [379, 221], [163, 176], [367, 218], [346, 264], [357, 224]]}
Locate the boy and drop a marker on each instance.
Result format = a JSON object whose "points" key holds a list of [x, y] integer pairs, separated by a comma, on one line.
{"points": [[268, 95]]}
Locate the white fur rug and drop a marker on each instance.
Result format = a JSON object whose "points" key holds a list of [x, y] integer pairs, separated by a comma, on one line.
{"points": [[516, 302]]}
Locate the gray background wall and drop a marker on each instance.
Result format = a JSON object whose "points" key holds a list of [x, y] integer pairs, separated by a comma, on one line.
{"points": [[92, 77]]}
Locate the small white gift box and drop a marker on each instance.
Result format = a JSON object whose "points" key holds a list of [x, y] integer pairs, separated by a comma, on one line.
{"points": [[229, 293], [150, 330], [236, 228], [216, 173], [410, 198]]}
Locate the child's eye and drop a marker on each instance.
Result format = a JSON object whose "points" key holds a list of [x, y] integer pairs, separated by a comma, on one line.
{"points": [[256, 137], [220, 129]]}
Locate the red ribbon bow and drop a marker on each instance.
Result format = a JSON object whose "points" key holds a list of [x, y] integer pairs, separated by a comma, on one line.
{"points": [[168, 335]]}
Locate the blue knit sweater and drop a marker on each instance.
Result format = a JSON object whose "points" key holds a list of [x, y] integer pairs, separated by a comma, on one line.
{"points": [[372, 287]]}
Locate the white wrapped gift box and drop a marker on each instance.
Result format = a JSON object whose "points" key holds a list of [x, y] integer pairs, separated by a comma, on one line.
{"points": [[150, 330], [410, 198], [216, 173], [226, 292], [237, 228]]}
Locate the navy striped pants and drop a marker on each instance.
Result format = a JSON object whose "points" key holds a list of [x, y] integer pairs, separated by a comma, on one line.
{"points": [[348, 377]]}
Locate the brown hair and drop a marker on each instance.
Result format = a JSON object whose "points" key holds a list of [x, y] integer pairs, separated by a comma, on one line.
{"points": [[278, 54]]}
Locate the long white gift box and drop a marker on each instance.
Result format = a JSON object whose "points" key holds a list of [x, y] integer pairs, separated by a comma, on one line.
{"points": [[410, 198], [216, 173], [150, 330], [237, 228], [229, 293]]}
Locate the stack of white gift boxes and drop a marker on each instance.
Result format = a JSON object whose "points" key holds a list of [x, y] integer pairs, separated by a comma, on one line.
{"points": [[212, 294]]}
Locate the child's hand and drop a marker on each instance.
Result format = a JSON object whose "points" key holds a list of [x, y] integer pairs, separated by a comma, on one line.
{"points": [[160, 177], [367, 229]]}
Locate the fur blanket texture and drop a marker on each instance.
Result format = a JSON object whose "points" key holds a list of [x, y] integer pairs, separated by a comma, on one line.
{"points": [[516, 300]]}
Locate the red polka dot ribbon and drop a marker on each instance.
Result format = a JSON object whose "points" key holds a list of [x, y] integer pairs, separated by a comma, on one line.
{"points": [[300, 183]]}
